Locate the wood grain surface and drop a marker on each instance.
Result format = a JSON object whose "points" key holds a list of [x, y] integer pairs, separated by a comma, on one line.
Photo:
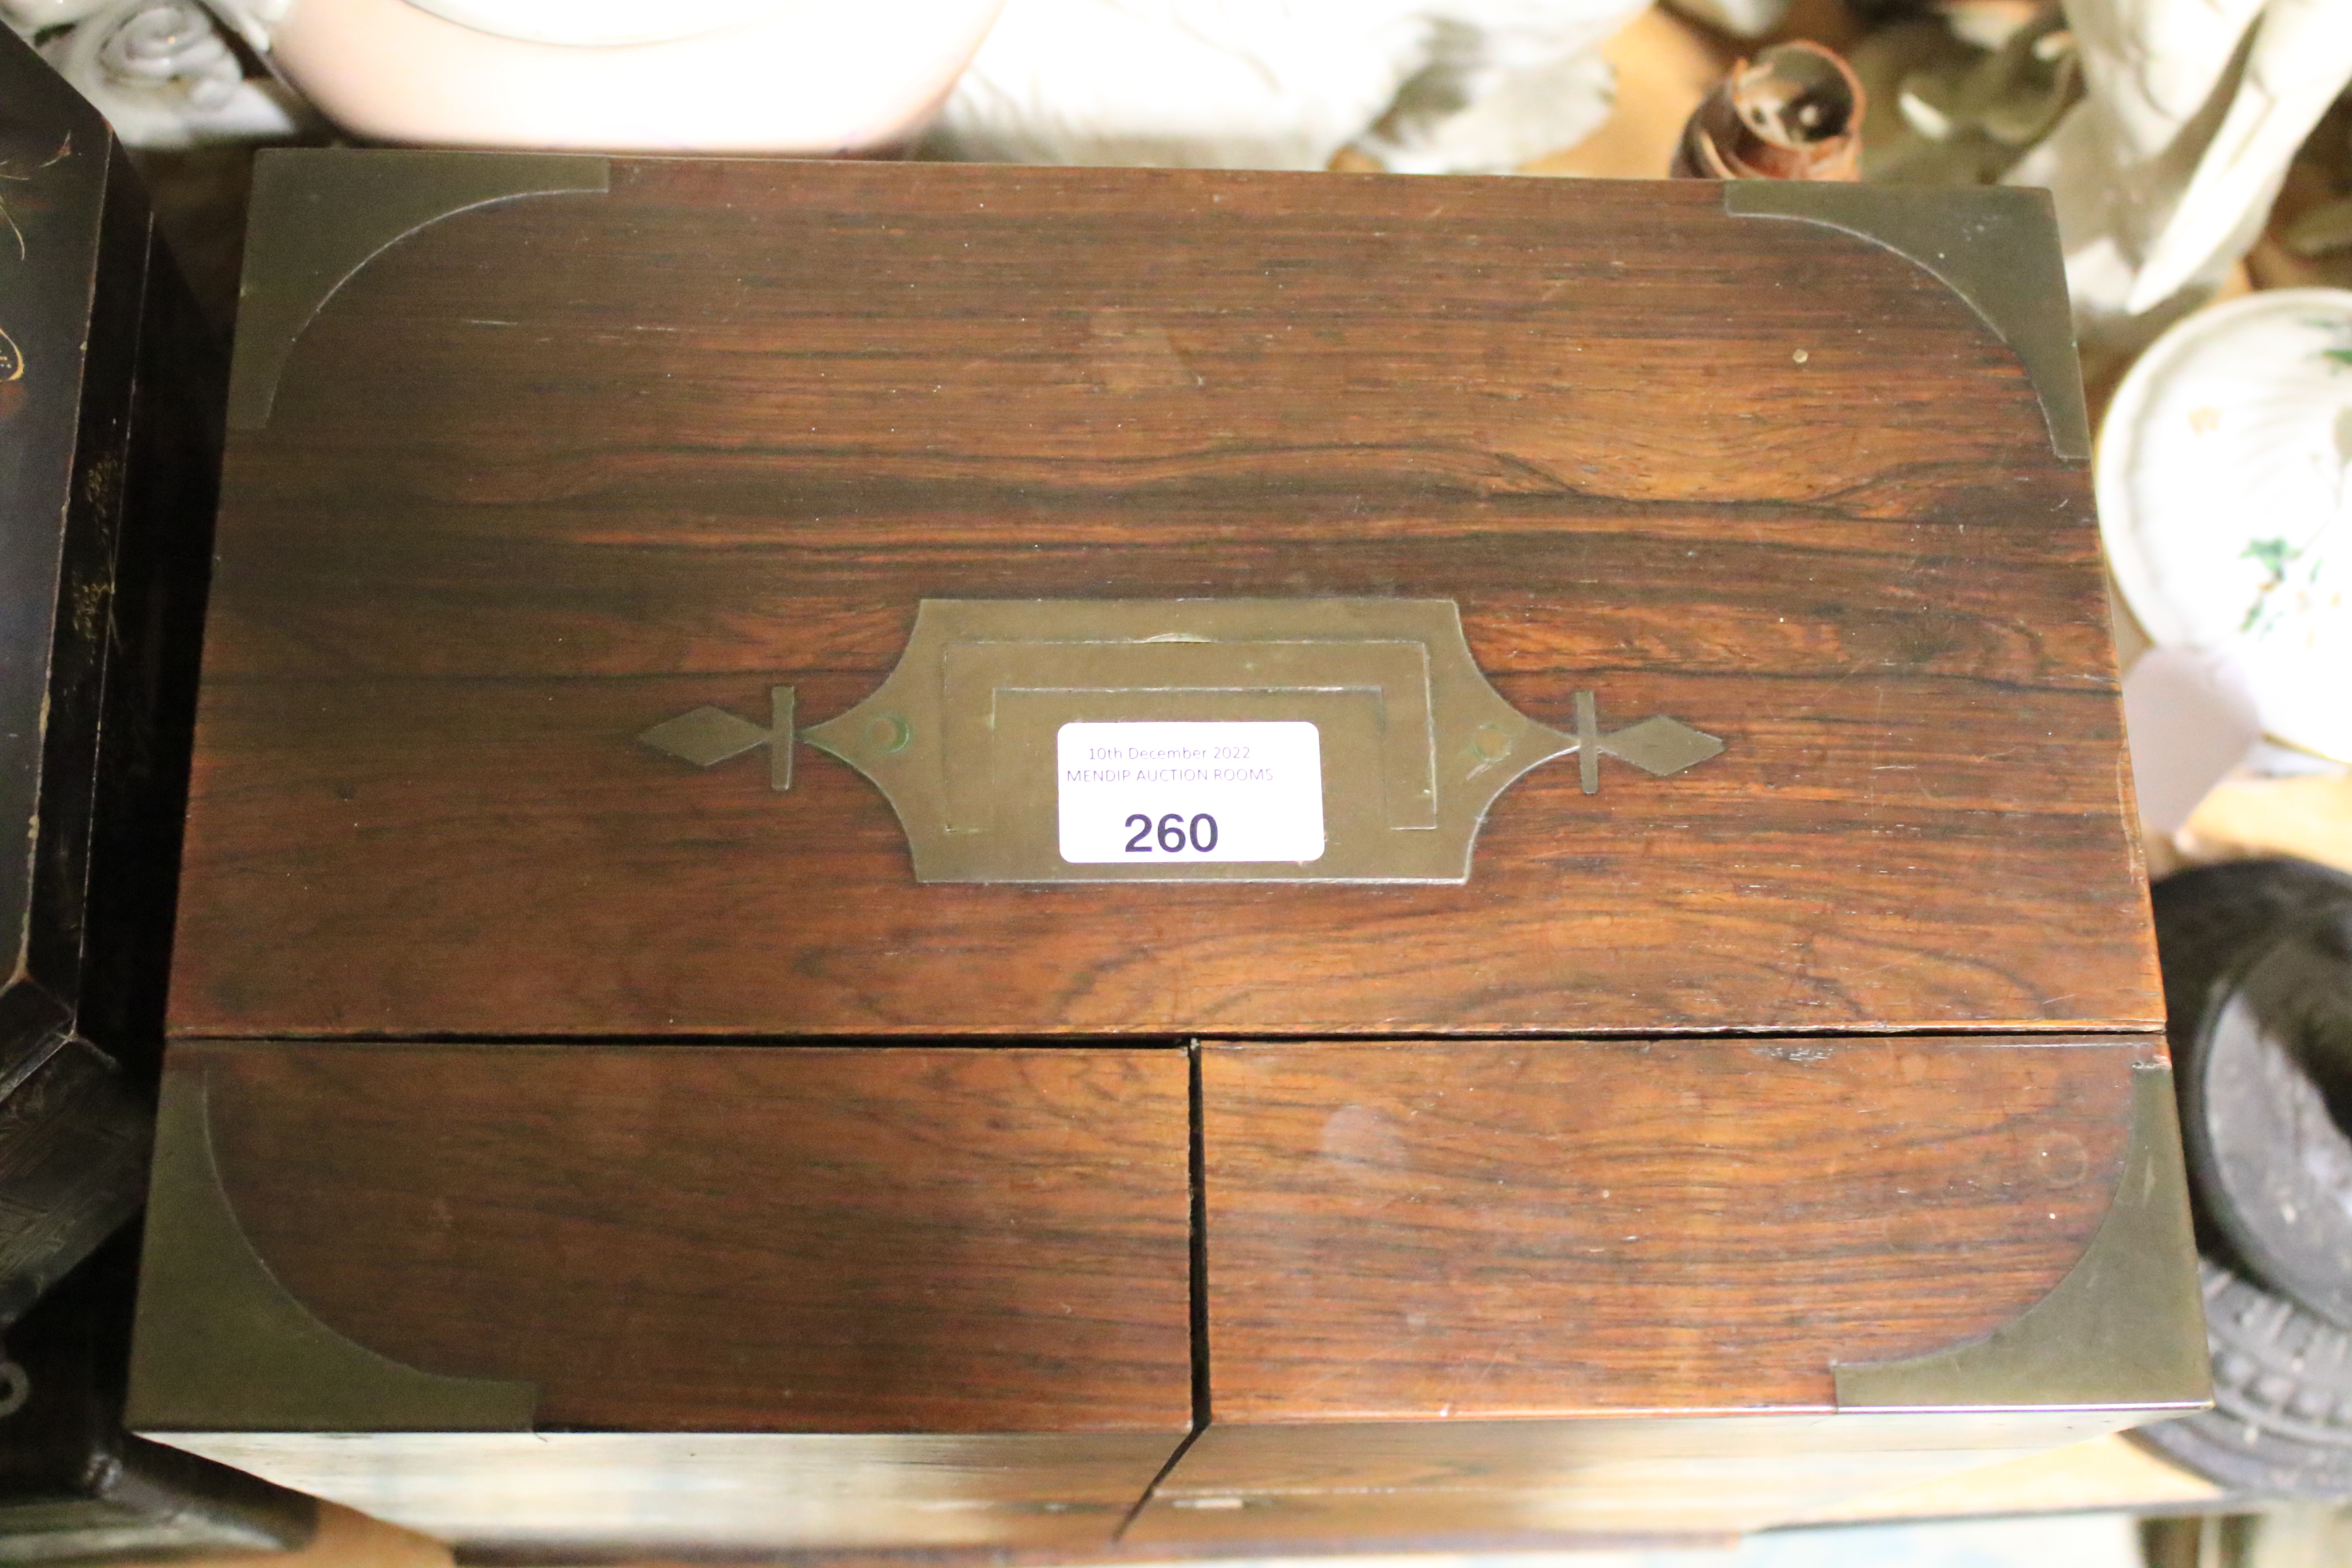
{"points": [[548, 472], [1461, 1231], [706, 1239]]}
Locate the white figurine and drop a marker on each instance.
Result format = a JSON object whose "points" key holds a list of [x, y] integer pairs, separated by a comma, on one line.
{"points": [[161, 72], [1417, 85], [2164, 173]]}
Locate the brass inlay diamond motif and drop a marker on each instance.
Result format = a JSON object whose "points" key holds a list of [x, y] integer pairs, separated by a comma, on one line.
{"points": [[704, 736], [1658, 746]]}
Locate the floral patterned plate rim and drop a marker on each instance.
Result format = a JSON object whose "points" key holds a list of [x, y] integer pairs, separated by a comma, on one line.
{"points": [[2224, 480]]}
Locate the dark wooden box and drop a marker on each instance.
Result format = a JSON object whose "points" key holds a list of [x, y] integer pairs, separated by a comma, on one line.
{"points": [[110, 401], [110, 417], [1714, 1065]]}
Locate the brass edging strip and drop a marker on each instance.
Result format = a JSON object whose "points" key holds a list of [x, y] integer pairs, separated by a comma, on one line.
{"points": [[2124, 1329], [221, 1345], [319, 215], [1996, 248]]}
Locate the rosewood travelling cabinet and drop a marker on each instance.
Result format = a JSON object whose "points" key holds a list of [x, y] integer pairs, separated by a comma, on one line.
{"points": [[1630, 1008]]}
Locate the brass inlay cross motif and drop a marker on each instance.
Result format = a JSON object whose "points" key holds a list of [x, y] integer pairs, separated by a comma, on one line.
{"points": [[1657, 745], [708, 736]]}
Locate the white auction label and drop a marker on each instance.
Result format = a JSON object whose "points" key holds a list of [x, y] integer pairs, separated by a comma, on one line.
{"points": [[1149, 792]]}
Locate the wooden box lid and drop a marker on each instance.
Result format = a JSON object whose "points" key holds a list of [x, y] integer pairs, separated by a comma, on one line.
{"points": [[695, 1296], [537, 455]]}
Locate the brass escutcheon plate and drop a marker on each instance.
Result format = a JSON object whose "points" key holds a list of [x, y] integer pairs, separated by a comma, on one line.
{"points": [[1415, 744]]}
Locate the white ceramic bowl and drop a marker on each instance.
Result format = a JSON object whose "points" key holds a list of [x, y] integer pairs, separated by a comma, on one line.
{"points": [[2224, 479], [817, 78]]}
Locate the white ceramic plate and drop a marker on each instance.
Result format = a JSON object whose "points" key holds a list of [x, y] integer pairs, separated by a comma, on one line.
{"points": [[2224, 481]]}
